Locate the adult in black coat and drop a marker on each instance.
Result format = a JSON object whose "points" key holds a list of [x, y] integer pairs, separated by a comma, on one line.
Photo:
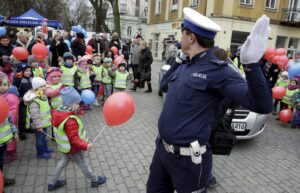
{"points": [[78, 45], [58, 47], [5, 49], [115, 41], [146, 60]]}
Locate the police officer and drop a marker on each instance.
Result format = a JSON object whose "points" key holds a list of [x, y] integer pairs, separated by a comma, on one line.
{"points": [[182, 160]]}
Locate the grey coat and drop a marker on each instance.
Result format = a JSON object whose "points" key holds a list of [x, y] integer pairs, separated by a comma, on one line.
{"points": [[135, 54]]}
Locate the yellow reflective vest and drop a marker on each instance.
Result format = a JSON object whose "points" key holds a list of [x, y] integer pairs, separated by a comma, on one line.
{"points": [[68, 75], [121, 80], [5, 131], [56, 102], [62, 140], [45, 114]]}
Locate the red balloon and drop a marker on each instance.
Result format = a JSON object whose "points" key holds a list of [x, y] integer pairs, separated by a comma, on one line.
{"points": [[1, 181], [280, 51], [278, 92], [269, 53], [282, 62], [114, 49], [275, 59], [118, 108], [39, 51], [20, 53], [89, 49], [4, 109], [285, 115]]}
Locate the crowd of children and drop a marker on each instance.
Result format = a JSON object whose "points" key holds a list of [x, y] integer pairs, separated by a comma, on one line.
{"points": [[291, 99], [41, 99]]}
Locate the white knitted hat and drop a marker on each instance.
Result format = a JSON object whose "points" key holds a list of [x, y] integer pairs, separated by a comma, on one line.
{"points": [[38, 82]]}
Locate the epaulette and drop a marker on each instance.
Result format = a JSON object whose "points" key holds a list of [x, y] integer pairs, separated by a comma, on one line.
{"points": [[218, 62]]}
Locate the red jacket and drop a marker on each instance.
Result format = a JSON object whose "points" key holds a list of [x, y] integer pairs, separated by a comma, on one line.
{"points": [[71, 128]]}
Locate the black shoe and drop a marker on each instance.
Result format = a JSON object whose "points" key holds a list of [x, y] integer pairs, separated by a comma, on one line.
{"points": [[9, 182], [101, 180], [132, 89], [149, 88], [58, 184], [22, 136], [293, 126], [212, 183], [148, 91], [29, 131]]}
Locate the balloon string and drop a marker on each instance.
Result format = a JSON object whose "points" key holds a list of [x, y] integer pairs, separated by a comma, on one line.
{"points": [[47, 134], [98, 134]]}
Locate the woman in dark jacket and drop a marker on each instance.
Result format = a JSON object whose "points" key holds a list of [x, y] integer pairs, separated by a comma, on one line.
{"points": [[146, 60], [58, 47], [78, 45]]}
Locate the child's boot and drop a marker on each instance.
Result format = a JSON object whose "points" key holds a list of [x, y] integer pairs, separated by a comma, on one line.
{"points": [[101, 180], [56, 185], [47, 149], [41, 152]]}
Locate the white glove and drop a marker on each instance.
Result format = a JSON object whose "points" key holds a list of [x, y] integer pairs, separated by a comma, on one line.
{"points": [[181, 57], [254, 47]]}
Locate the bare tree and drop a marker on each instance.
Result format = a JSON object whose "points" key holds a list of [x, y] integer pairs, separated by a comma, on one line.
{"points": [[100, 8], [77, 13], [116, 14]]}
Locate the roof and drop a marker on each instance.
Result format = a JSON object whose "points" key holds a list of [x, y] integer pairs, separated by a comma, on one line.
{"points": [[31, 14]]}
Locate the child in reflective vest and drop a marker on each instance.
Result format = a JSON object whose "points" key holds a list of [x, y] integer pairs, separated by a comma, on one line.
{"points": [[83, 73], [291, 89], [38, 116], [54, 86], [22, 80], [68, 69], [296, 115], [71, 139], [282, 81], [37, 71], [96, 68], [106, 78], [8, 127], [120, 77]]}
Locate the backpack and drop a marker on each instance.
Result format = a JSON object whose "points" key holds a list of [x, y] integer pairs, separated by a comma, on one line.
{"points": [[222, 138]]}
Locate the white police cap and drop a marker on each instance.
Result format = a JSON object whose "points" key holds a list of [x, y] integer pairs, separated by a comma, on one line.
{"points": [[199, 24]]}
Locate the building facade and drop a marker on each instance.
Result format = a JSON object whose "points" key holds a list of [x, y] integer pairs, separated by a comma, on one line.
{"points": [[236, 18], [133, 16]]}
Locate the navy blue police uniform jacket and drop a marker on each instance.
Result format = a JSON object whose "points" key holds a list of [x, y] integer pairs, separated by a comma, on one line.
{"points": [[195, 91]]}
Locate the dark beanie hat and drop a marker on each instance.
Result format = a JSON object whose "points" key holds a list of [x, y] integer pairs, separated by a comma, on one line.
{"points": [[80, 35]]}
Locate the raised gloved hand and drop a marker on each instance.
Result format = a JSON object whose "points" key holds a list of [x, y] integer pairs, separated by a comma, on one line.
{"points": [[254, 47], [181, 57]]}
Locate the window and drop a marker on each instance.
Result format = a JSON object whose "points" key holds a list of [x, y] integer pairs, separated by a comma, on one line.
{"points": [[194, 3], [145, 12], [129, 30], [293, 43], [156, 45], [280, 41], [174, 5], [157, 6], [123, 8], [246, 2], [271, 4]]}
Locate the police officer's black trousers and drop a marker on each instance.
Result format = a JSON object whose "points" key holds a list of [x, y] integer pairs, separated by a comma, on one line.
{"points": [[169, 172]]}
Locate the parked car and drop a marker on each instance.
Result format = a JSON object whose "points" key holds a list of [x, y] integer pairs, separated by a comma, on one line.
{"points": [[246, 124]]}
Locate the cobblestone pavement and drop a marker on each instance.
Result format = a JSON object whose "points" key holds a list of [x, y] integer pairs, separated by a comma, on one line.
{"points": [[268, 163]]}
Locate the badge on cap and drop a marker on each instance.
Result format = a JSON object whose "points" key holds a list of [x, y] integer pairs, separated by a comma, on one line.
{"points": [[199, 24]]}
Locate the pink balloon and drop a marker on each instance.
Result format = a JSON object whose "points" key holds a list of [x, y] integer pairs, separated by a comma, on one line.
{"points": [[269, 53], [278, 92], [39, 51], [282, 62], [20, 53], [118, 108], [285, 115]]}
